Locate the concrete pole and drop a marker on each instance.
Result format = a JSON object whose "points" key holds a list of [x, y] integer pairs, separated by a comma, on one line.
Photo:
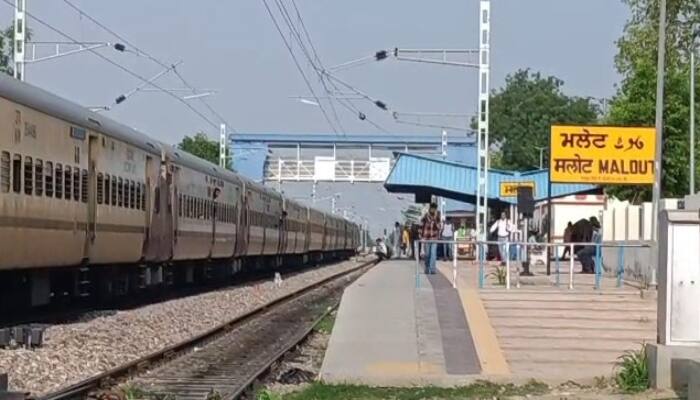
{"points": [[222, 146], [656, 193], [443, 151], [20, 23], [692, 118]]}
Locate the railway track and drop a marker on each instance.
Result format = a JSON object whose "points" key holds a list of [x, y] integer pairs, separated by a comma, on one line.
{"points": [[225, 361], [68, 313]]}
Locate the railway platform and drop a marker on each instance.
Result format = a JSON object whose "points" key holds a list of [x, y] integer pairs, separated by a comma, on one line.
{"points": [[394, 330], [391, 331]]}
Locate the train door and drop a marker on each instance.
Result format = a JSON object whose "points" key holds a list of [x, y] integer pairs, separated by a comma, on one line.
{"points": [[92, 194], [213, 212], [282, 228], [159, 241], [241, 222]]}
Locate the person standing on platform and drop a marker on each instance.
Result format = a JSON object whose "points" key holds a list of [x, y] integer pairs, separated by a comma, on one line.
{"points": [[447, 234], [430, 230], [396, 240], [503, 227], [406, 242], [414, 235], [568, 232]]}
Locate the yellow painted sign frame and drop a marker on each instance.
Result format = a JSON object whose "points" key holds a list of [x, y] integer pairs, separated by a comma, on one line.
{"points": [[510, 189], [602, 154]]}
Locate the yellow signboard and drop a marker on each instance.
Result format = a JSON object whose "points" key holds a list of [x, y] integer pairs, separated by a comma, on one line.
{"points": [[602, 154], [510, 189]]}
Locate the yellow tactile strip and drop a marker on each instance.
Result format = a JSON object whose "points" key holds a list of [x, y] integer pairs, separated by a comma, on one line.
{"points": [[493, 362]]}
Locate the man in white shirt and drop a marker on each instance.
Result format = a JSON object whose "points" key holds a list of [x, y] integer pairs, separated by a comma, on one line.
{"points": [[447, 234], [503, 227]]}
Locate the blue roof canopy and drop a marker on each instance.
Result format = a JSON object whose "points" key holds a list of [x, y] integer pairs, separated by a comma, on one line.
{"points": [[419, 174]]}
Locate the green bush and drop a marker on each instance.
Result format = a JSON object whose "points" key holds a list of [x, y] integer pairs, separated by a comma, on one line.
{"points": [[500, 275], [632, 371]]}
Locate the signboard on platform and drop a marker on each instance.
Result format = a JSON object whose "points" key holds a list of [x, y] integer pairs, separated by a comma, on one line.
{"points": [[602, 154], [510, 189]]}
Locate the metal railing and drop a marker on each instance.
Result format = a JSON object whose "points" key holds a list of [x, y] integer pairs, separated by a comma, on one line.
{"points": [[416, 253], [522, 249]]}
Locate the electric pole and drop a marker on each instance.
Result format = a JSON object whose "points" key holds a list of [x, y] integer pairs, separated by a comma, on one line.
{"points": [[656, 193], [19, 45], [222, 146]]}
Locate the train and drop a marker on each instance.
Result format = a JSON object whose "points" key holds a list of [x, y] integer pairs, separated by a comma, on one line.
{"points": [[91, 207]]}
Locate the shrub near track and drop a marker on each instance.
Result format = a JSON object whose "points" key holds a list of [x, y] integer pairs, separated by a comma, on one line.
{"points": [[477, 390]]}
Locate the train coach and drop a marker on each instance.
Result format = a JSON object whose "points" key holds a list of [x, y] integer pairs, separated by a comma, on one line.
{"points": [[90, 207]]}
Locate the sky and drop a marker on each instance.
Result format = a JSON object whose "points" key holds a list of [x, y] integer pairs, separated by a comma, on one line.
{"points": [[234, 48]]}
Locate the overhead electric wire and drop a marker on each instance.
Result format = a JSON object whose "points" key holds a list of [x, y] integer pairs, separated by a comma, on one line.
{"points": [[295, 34], [318, 65], [319, 69], [298, 65], [122, 38], [140, 51], [114, 63]]}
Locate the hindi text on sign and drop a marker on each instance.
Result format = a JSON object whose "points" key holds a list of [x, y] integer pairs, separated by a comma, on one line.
{"points": [[601, 154]]}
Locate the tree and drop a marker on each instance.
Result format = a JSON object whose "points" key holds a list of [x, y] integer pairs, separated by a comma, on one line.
{"points": [[412, 214], [201, 146], [7, 48], [634, 103], [522, 112]]}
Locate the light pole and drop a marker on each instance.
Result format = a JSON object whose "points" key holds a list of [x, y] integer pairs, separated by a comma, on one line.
{"points": [[692, 113], [541, 149], [656, 192]]}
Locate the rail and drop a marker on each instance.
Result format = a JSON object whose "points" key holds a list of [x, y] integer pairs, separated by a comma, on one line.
{"points": [[82, 389], [521, 248]]}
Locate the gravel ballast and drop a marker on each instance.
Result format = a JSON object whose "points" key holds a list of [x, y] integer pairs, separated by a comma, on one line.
{"points": [[76, 351]]}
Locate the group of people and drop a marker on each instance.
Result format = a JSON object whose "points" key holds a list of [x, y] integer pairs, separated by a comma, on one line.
{"points": [[583, 231], [433, 229]]}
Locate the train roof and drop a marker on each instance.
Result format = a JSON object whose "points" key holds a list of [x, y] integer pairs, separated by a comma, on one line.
{"points": [[51, 104], [44, 101]]}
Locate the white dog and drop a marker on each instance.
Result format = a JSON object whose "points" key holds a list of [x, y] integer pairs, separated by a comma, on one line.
{"points": [[278, 280]]}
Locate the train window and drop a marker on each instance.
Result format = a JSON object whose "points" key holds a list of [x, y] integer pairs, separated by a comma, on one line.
{"points": [[138, 195], [59, 181], [28, 175], [76, 184], [48, 178], [5, 172], [67, 182], [114, 190], [156, 200], [120, 192], [143, 197], [127, 194], [77, 155], [84, 186], [132, 195], [100, 187], [179, 205], [107, 189], [39, 177]]}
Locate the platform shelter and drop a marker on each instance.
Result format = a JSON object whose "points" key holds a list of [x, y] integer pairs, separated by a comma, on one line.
{"points": [[424, 176]]}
